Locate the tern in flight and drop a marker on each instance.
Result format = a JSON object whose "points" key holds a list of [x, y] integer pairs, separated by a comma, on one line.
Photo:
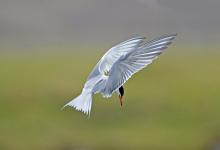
{"points": [[118, 65]]}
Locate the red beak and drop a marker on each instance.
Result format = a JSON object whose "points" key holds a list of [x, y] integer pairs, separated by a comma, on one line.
{"points": [[120, 98]]}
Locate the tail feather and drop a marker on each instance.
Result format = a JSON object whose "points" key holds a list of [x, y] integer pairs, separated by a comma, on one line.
{"points": [[82, 103]]}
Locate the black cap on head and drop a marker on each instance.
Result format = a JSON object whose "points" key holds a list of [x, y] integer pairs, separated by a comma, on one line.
{"points": [[121, 91]]}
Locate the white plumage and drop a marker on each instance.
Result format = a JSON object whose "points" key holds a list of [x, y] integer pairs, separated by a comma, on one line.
{"points": [[116, 66]]}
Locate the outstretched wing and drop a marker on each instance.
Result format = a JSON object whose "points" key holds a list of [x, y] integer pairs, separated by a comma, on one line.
{"points": [[134, 61], [112, 55]]}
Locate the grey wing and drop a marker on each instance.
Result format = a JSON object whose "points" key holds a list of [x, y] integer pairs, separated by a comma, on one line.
{"points": [[95, 72], [128, 65], [113, 54]]}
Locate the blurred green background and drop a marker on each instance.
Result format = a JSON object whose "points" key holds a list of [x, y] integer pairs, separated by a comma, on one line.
{"points": [[48, 48]]}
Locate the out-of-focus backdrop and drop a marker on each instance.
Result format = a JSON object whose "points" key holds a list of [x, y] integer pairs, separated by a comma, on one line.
{"points": [[48, 47]]}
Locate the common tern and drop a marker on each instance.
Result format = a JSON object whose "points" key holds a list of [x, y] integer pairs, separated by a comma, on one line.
{"points": [[116, 66]]}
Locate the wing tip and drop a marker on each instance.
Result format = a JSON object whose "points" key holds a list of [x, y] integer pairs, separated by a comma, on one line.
{"points": [[170, 37]]}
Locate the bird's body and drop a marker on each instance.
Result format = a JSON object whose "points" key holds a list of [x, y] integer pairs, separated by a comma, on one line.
{"points": [[116, 66]]}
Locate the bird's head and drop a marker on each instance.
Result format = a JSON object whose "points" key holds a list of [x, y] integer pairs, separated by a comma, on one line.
{"points": [[120, 94]]}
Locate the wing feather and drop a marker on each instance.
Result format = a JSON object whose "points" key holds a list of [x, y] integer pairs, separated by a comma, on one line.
{"points": [[118, 51], [133, 62], [112, 55]]}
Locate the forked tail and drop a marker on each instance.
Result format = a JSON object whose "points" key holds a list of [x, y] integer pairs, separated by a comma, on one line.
{"points": [[82, 103]]}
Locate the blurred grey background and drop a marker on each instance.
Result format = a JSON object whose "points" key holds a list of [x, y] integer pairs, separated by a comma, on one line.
{"points": [[48, 47], [82, 22]]}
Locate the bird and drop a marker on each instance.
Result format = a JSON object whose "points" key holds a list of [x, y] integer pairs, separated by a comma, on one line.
{"points": [[116, 66]]}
